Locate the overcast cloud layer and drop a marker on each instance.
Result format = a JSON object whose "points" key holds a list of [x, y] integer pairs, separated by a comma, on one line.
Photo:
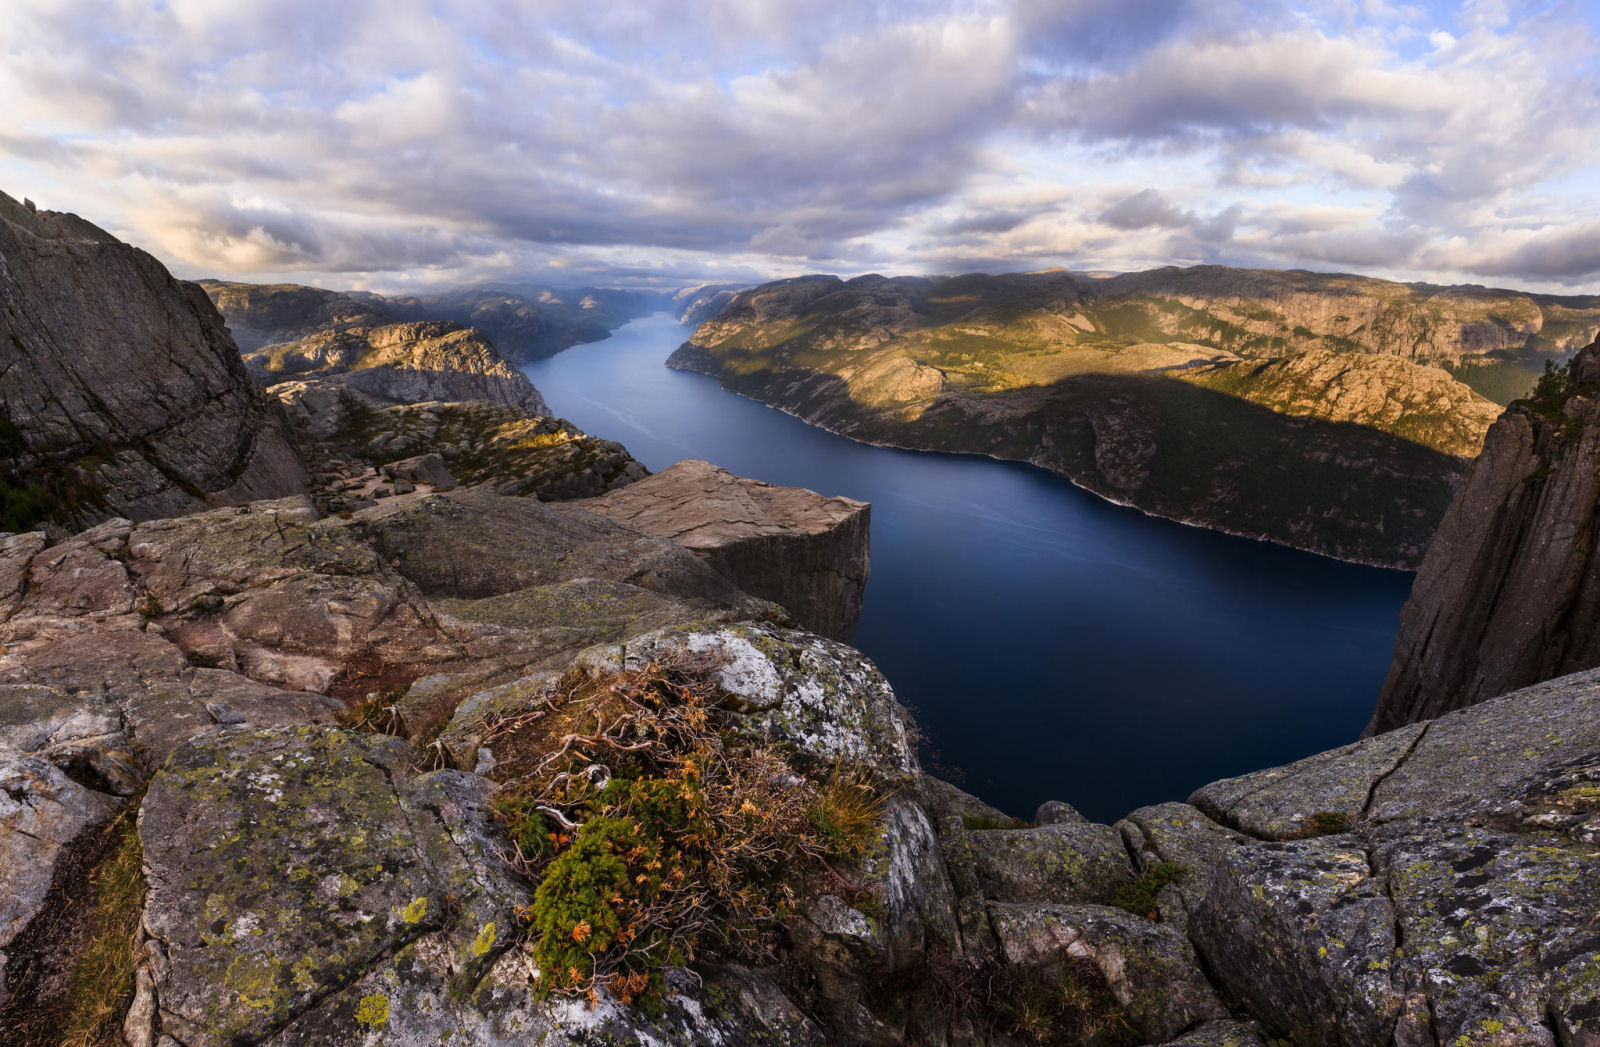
{"points": [[398, 143]]}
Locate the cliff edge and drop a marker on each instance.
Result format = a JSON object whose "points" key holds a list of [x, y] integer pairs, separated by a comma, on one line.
{"points": [[1509, 592]]}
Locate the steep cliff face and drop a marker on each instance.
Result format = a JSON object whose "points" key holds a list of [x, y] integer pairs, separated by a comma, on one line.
{"points": [[1509, 593], [123, 393], [784, 544]]}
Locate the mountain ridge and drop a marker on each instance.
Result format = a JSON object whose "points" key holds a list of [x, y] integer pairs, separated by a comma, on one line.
{"points": [[1198, 415]]}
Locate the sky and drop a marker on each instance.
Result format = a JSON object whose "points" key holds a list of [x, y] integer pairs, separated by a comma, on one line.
{"points": [[405, 144]]}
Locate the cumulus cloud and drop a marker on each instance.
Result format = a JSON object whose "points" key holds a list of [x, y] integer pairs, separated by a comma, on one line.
{"points": [[401, 142]]}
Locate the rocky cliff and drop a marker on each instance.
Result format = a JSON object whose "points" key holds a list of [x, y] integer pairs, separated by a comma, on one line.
{"points": [[307, 333], [458, 766], [329, 729], [122, 392], [784, 544], [1508, 594]]}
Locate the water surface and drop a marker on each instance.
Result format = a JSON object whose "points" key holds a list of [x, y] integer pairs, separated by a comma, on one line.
{"points": [[1051, 645]]}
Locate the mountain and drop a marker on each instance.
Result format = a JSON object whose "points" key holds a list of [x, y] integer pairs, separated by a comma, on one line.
{"points": [[1253, 402], [1509, 593], [122, 393], [531, 321], [299, 332], [696, 305]]}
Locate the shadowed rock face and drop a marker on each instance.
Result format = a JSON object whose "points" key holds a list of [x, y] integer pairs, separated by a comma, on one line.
{"points": [[784, 544], [1509, 593], [122, 392]]}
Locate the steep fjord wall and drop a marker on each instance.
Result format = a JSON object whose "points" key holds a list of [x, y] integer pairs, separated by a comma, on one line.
{"points": [[1509, 593]]}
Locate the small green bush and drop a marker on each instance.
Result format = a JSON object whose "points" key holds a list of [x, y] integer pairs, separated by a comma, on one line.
{"points": [[1139, 897], [657, 834]]}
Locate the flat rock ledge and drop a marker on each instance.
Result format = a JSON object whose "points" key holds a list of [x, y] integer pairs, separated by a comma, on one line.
{"points": [[785, 544]]}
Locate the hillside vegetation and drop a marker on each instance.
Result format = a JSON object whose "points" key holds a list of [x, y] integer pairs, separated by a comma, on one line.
{"points": [[1330, 412]]}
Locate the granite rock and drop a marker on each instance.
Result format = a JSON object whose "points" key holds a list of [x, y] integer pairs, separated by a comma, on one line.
{"points": [[784, 544]]}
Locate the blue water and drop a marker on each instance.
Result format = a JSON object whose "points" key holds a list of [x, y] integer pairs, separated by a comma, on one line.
{"points": [[1051, 645]]}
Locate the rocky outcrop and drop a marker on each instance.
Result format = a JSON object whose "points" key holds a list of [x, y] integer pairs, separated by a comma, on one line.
{"points": [[362, 453], [292, 332], [122, 391], [1432, 885], [320, 883], [784, 544], [1262, 427], [1508, 593], [402, 363]]}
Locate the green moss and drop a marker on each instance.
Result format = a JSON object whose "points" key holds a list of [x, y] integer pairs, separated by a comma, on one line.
{"points": [[1139, 897]]}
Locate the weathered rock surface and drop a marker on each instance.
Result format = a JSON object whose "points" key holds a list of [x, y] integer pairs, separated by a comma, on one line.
{"points": [[312, 884], [122, 392], [1454, 840], [1239, 400], [1065, 862], [784, 544], [1150, 967], [1509, 593]]}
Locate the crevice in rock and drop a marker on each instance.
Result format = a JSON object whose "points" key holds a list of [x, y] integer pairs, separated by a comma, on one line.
{"points": [[1372, 790], [40, 959]]}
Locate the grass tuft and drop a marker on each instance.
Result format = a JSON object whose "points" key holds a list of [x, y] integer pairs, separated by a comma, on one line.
{"points": [[102, 979]]}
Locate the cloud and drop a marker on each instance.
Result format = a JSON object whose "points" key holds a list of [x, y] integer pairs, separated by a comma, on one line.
{"points": [[1145, 209], [396, 142]]}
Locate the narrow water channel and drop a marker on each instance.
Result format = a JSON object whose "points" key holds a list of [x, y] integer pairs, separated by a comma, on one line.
{"points": [[1051, 645]]}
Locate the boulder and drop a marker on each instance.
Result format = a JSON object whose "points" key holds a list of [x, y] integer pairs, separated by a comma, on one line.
{"points": [[1149, 967], [1303, 935], [784, 544], [1062, 863]]}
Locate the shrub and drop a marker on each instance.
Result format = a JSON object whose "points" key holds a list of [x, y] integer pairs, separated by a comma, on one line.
{"points": [[659, 835]]}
